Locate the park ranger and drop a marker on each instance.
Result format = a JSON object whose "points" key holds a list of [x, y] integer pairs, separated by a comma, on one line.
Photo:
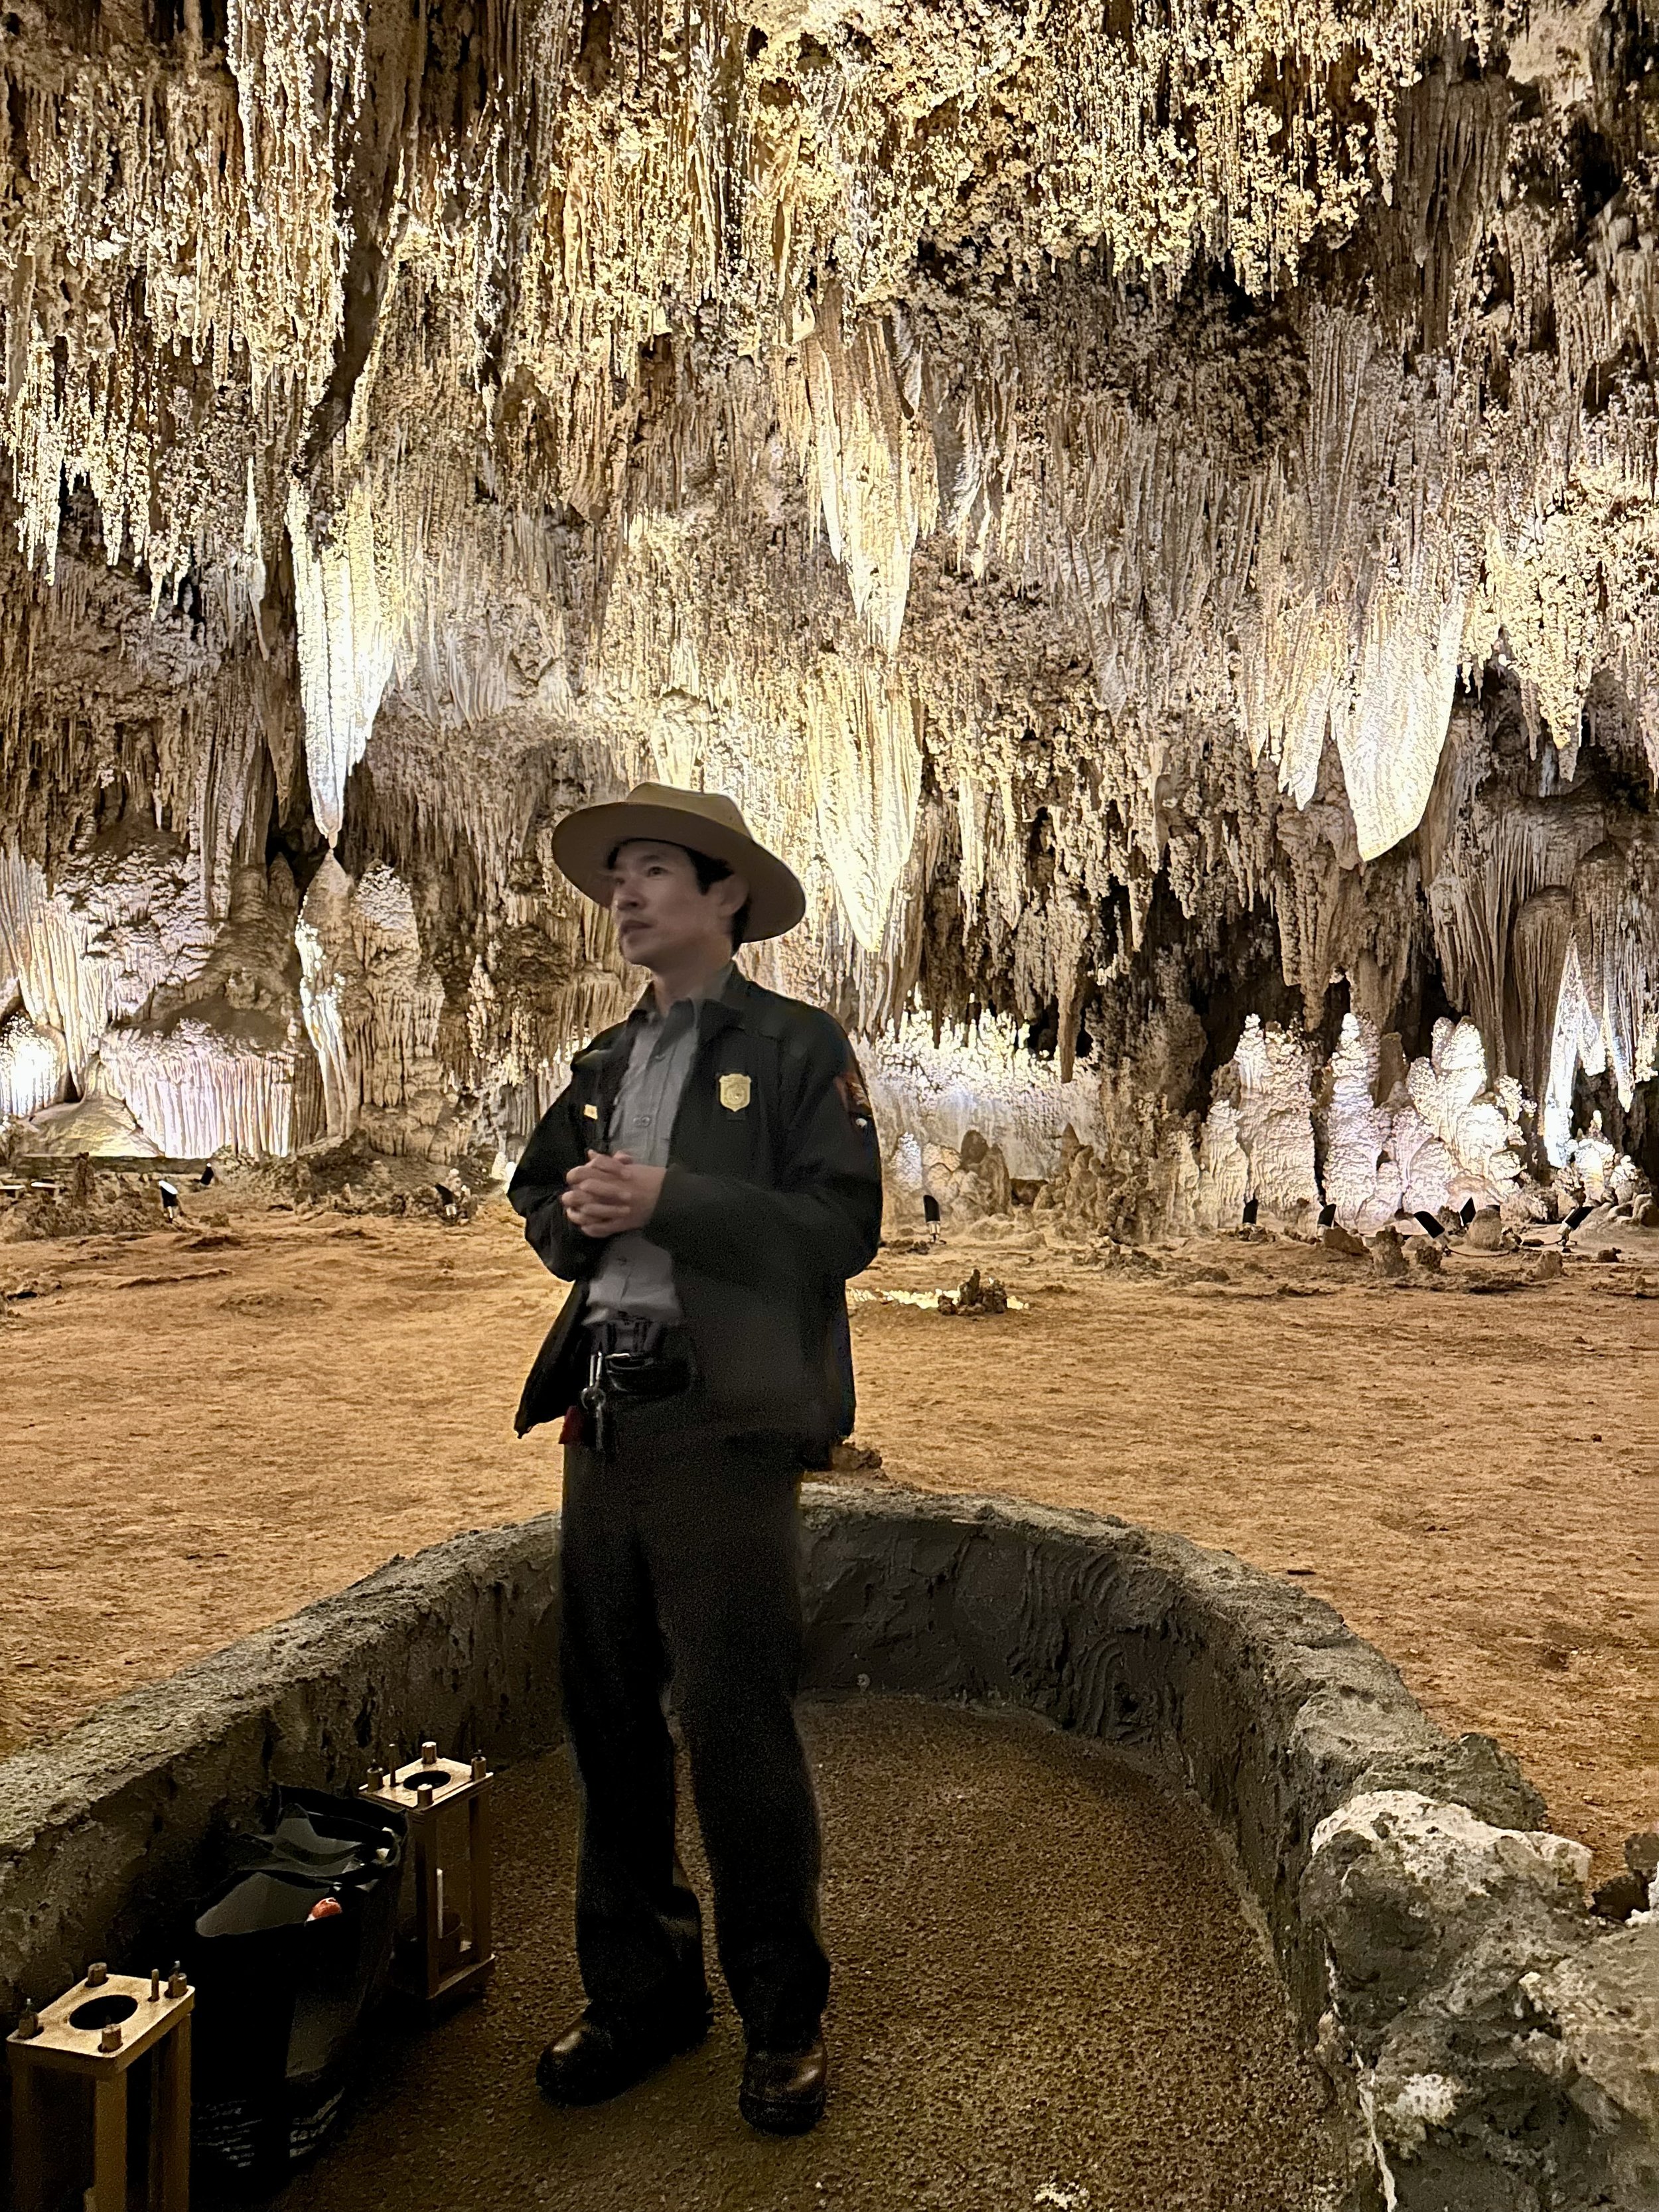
{"points": [[708, 1182]]}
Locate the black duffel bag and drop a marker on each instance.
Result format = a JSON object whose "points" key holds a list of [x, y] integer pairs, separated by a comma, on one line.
{"points": [[288, 1954]]}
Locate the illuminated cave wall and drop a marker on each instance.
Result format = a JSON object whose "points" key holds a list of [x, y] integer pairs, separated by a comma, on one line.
{"points": [[1150, 509]]}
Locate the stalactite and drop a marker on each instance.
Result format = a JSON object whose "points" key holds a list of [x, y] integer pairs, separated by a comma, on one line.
{"points": [[346, 642], [875, 475]]}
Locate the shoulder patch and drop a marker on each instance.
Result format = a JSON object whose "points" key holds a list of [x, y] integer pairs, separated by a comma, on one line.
{"points": [[854, 1093]]}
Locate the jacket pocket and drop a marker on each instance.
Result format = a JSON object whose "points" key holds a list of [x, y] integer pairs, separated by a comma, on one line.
{"points": [[752, 1352]]}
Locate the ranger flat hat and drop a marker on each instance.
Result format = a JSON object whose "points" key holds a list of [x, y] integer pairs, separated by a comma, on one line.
{"points": [[704, 821]]}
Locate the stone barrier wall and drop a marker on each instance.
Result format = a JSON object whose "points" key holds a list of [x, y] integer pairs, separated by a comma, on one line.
{"points": [[1249, 1690], [1495, 2047]]}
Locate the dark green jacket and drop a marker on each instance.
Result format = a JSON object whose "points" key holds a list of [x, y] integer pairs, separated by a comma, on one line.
{"points": [[771, 1199]]}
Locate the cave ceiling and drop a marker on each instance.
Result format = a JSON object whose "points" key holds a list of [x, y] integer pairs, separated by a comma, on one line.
{"points": [[1094, 480]]}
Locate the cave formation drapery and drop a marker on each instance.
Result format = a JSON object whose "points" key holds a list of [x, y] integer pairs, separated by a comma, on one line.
{"points": [[1150, 505]]}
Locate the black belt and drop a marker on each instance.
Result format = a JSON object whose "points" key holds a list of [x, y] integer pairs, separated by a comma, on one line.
{"points": [[645, 1340], [631, 1362]]}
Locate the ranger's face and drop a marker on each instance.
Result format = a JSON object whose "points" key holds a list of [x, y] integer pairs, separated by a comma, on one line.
{"points": [[662, 916]]}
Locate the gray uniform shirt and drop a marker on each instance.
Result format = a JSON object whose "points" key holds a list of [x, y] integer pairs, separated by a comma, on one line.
{"points": [[634, 1280]]}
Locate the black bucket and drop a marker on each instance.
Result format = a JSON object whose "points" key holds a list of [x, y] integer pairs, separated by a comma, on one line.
{"points": [[288, 1955]]}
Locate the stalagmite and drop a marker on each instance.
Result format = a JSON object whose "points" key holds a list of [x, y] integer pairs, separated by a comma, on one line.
{"points": [[936, 1093], [98, 1125], [371, 1011], [1362, 1180], [123, 917], [1478, 1126], [1223, 1168], [1275, 1124]]}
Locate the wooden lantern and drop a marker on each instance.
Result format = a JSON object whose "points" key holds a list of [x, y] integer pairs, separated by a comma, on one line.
{"points": [[97, 2031], [446, 1806]]}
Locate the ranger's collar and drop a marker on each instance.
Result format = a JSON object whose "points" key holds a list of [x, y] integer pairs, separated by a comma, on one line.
{"points": [[725, 1008], [646, 1003], [720, 1010]]}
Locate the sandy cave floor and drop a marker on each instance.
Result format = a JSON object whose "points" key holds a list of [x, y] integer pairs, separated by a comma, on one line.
{"points": [[1063, 2008], [205, 1429]]}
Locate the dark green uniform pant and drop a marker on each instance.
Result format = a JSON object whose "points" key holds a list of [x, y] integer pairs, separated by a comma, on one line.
{"points": [[680, 1562]]}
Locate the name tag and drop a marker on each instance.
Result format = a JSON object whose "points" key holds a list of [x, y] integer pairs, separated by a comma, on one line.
{"points": [[735, 1091]]}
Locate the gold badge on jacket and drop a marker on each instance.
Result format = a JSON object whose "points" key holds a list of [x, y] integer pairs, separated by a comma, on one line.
{"points": [[735, 1091]]}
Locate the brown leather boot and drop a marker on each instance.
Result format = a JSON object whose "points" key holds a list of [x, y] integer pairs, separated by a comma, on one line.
{"points": [[783, 2091], [594, 2060]]}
